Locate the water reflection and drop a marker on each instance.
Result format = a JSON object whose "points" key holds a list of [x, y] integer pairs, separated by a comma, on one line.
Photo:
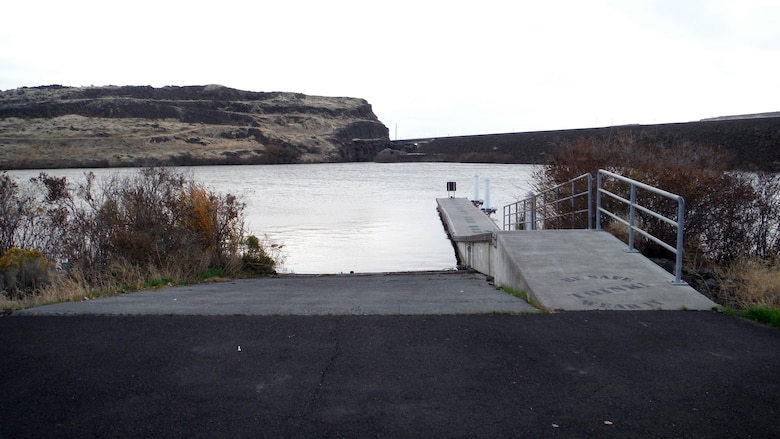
{"points": [[361, 217]]}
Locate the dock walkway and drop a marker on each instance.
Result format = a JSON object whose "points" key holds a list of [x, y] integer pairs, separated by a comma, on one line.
{"points": [[568, 270]]}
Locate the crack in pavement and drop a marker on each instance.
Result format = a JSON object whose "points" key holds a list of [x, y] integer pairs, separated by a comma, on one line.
{"points": [[315, 397]]}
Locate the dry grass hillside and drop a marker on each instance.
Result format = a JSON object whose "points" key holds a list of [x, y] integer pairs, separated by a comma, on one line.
{"points": [[60, 127]]}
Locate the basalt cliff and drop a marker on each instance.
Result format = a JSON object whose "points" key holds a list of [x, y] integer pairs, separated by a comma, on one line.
{"points": [[64, 127]]}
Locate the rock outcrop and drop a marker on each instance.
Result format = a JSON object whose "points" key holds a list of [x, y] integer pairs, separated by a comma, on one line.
{"points": [[59, 127]]}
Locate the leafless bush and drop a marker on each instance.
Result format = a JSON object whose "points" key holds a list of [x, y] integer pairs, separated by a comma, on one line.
{"points": [[124, 228], [34, 216], [728, 215], [156, 218]]}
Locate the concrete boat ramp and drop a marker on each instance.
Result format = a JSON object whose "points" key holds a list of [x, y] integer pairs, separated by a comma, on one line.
{"points": [[568, 270]]}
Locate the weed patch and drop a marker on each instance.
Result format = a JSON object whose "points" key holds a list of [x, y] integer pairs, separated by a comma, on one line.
{"points": [[767, 316], [523, 295], [158, 283], [212, 273]]}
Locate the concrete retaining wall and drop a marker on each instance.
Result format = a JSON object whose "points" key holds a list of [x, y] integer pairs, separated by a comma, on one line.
{"points": [[505, 270], [471, 232], [480, 244], [477, 255]]}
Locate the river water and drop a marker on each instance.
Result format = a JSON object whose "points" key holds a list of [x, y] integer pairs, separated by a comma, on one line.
{"points": [[352, 217]]}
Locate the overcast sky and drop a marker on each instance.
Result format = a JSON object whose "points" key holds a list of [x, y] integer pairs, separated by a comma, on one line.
{"points": [[430, 68]]}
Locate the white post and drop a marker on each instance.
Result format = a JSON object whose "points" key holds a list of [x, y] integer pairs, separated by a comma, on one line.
{"points": [[529, 214], [487, 194]]}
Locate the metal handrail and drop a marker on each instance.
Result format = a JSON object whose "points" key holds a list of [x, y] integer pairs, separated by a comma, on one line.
{"points": [[634, 206], [535, 211], [515, 214]]}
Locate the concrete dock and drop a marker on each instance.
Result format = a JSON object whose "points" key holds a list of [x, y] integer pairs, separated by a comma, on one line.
{"points": [[568, 270]]}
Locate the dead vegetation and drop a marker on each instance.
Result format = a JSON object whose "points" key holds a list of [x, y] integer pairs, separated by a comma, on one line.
{"points": [[751, 283]]}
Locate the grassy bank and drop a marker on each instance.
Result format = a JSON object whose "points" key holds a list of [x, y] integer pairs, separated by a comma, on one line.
{"points": [[767, 316]]}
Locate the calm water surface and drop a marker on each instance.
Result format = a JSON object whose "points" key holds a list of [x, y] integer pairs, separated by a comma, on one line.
{"points": [[361, 217]]}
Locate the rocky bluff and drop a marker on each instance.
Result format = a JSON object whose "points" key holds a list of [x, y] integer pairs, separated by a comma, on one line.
{"points": [[60, 127]]}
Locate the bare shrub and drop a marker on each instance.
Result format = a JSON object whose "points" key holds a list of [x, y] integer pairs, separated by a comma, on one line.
{"points": [[765, 210], [34, 216], [720, 206], [16, 206], [125, 230], [158, 218]]}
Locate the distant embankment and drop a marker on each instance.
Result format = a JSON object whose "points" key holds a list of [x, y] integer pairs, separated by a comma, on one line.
{"points": [[754, 143], [65, 127]]}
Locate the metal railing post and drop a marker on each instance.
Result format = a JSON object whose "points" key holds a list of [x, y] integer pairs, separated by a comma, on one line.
{"points": [[550, 206], [590, 202], [573, 204], [678, 261], [634, 206], [598, 201], [631, 219]]}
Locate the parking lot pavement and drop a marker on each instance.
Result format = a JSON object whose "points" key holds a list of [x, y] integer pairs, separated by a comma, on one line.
{"points": [[576, 374]]}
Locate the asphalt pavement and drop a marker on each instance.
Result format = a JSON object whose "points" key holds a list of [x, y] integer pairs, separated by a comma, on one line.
{"points": [[495, 374]]}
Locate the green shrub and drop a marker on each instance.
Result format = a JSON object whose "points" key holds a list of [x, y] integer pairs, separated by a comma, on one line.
{"points": [[256, 260]]}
